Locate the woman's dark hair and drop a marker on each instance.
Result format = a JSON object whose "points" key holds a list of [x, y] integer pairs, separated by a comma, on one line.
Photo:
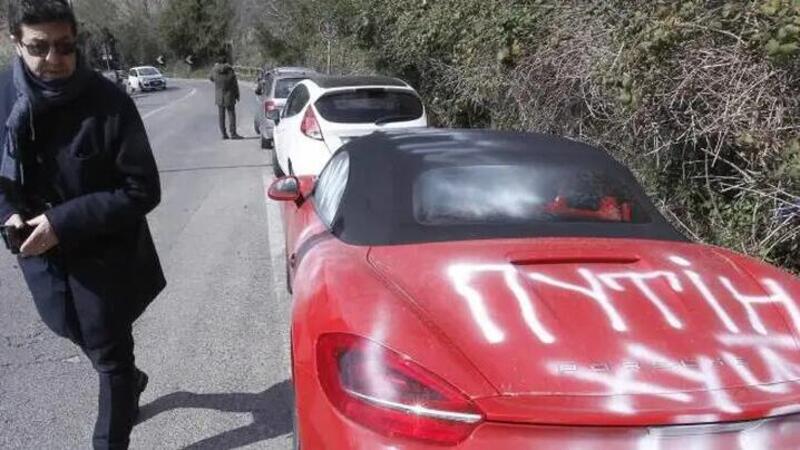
{"points": [[33, 12]]}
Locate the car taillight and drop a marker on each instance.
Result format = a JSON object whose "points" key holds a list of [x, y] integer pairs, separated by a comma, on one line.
{"points": [[310, 126], [390, 394], [269, 105]]}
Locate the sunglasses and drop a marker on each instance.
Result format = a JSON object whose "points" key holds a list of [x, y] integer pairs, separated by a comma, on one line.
{"points": [[41, 49]]}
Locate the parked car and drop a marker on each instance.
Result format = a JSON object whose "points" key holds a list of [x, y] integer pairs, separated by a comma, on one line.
{"points": [[494, 290], [322, 113], [146, 78], [272, 89]]}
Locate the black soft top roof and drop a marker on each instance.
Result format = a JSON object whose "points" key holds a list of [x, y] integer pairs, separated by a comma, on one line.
{"points": [[376, 207], [330, 82]]}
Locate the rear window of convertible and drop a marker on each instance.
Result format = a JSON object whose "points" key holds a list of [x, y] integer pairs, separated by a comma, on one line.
{"points": [[510, 195]]}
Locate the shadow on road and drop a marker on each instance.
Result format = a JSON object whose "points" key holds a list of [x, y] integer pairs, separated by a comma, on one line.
{"points": [[271, 410]]}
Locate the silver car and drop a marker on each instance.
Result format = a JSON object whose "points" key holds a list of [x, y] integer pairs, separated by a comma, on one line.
{"points": [[273, 88]]}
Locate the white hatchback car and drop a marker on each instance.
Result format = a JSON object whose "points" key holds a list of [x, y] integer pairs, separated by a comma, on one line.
{"points": [[323, 113], [146, 78]]}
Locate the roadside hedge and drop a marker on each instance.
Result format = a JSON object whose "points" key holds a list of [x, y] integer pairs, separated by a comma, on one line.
{"points": [[700, 98]]}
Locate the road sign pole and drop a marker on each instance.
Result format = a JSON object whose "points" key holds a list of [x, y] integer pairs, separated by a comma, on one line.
{"points": [[328, 32]]}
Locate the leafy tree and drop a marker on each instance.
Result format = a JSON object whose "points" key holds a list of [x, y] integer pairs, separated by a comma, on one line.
{"points": [[201, 28], [135, 37]]}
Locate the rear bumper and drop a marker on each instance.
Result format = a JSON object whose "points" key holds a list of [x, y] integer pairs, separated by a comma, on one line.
{"points": [[153, 84], [328, 430]]}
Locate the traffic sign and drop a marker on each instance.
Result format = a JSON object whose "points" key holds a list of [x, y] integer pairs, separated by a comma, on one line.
{"points": [[327, 30]]}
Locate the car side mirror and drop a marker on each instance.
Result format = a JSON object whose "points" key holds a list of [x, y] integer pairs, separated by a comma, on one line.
{"points": [[285, 189], [258, 90]]}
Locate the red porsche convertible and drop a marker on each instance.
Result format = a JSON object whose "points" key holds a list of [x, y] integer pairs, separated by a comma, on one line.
{"points": [[491, 290]]}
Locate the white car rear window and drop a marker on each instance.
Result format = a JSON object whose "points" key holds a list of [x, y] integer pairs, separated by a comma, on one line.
{"points": [[370, 106]]}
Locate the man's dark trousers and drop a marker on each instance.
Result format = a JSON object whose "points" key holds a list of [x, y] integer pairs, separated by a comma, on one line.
{"points": [[107, 341], [231, 110], [112, 358]]}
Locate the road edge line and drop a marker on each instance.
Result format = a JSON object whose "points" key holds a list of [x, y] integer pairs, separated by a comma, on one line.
{"points": [[151, 113]]}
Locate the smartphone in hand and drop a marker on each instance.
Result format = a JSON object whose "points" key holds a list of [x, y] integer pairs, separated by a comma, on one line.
{"points": [[14, 237]]}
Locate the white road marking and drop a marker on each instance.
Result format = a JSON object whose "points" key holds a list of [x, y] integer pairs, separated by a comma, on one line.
{"points": [[274, 230], [158, 110], [276, 246]]}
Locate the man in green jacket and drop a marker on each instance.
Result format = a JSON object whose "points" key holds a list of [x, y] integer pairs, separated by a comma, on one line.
{"points": [[227, 94]]}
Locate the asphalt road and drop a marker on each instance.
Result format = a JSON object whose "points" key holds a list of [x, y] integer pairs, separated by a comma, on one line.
{"points": [[215, 343]]}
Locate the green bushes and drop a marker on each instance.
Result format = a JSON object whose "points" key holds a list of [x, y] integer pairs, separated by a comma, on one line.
{"points": [[198, 28], [700, 98]]}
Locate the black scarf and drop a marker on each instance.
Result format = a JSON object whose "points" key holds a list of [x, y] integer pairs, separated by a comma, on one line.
{"points": [[34, 97]]}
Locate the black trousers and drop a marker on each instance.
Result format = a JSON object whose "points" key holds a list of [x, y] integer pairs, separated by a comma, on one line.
{"points": [[109, 346], [231, 110]]}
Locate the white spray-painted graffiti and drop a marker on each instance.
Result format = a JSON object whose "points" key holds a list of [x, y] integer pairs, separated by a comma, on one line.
{"points": [[597, 287], [621, 385], [773, 350]]}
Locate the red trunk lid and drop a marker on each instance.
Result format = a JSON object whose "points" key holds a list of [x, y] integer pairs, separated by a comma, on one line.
{"points": [[609, 331]]}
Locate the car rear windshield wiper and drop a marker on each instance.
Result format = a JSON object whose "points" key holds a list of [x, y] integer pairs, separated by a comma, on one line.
{"points": [[398, 118]]}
